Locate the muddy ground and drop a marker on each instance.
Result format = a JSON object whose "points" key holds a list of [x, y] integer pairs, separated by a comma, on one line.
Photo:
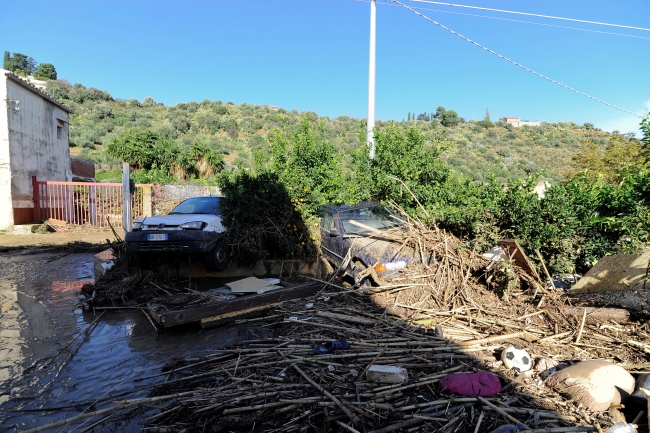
{"points": [[39, 316], [8, 240], [46, 375]]}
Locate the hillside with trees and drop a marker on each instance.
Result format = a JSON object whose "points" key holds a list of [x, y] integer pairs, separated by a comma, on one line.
{"points": [[473, 178], [478, 149]]}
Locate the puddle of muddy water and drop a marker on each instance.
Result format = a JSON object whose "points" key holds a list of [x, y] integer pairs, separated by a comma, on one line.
{"points": [[38, 319]]}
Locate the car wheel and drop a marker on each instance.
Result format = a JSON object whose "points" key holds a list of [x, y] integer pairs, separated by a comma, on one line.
{"points": [[217, 259], [143, 260]]}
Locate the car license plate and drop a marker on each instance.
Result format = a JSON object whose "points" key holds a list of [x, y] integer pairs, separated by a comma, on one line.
{"points": [[157, 237]]}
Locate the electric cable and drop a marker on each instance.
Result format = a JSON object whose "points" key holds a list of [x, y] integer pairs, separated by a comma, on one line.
{"points": [[513, 62], [514, 21], [532, 15]]}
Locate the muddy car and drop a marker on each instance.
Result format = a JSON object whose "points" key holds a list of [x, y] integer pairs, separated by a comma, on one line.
{"points": [[194, 226], [361, 240]]}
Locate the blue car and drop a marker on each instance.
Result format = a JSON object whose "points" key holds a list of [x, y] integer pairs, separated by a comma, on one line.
{"points": [[361, 240]]}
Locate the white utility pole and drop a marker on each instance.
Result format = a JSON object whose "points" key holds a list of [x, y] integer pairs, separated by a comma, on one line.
{"points": [[126, 198], [370, 139]]}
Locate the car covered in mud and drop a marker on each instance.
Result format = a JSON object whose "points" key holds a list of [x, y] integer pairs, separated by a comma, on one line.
{"points": [[194, 226], [361, 240]]}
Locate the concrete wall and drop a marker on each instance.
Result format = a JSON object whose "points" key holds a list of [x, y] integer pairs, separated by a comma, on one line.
{"points": [[38, 143], [6, 212]]}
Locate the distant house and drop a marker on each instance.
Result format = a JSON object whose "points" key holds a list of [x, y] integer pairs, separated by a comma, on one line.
{"points": [[33, 142], [516, 122]]}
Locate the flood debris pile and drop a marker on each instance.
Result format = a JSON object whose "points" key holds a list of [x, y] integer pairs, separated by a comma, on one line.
{"points": [[335, 362], [446, 275], [457, 343]]}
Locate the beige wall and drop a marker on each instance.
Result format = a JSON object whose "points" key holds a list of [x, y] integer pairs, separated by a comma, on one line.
{"points": [[6, 212], [37, 144]]}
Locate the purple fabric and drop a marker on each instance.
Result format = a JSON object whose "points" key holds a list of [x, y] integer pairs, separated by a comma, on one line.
{"points": [[481, 383]]}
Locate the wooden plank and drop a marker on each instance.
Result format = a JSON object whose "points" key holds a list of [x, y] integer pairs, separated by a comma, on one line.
{"points": [[218, 319], [188, 315], [614, 273], [346, 318], [598, 315], [519, 258]]}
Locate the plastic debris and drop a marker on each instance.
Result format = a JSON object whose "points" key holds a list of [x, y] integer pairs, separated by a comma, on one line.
{"points": [[387, 374], [621, 427], [331, 346]]}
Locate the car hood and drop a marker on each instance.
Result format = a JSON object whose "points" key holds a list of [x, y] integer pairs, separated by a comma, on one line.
{"points": [[213, 221], [381, 250]]}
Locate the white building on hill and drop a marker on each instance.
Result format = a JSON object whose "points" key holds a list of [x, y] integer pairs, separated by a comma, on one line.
{"points": [[516, 122]]}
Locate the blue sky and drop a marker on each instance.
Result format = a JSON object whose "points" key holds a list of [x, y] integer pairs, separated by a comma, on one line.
{"points": [[313, 55]]}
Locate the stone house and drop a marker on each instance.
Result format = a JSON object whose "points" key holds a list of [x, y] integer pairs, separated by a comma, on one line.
{"points": [[33, 142]]}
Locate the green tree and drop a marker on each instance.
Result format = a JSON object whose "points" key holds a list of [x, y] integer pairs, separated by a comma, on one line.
{"points": [[645, 129], [450, 118], [17, 63], [142, 149], [31, 65], [45, 71], [306, 163], [620, 152]]}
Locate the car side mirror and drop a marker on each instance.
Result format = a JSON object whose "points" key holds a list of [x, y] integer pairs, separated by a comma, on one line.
{"points": [[334, 233]]}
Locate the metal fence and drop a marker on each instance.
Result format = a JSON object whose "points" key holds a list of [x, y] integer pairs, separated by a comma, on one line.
{"points": [[87, 202]]}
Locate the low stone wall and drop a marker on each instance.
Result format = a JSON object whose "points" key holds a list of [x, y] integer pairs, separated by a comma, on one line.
{"points": [[167, 197], [182, 192]]}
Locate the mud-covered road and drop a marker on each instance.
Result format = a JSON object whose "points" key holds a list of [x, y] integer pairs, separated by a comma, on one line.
{"points": [[45, 376]]}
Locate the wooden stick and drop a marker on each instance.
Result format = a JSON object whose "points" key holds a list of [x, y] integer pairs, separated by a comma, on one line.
{"points": [[355, 419], [155, 328], [541, 259], [256, 407], [492, 339], [75, 337], [562, 429], [346, 318], [553, 337], [400, 425], [542, 414], [582, 325], [478, 423], [347, 427], [502, 413], [123, 405]]}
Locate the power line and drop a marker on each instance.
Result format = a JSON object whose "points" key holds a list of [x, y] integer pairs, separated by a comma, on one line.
{"points": [[515, 21], [512, 61], [532, 15]]}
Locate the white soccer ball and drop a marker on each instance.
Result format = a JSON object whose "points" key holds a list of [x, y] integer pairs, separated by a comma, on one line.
{"points": [[515, 358]]}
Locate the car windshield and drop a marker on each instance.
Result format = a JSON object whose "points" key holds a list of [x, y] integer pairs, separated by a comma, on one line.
{"points": [[363, 221], [200, 205]]}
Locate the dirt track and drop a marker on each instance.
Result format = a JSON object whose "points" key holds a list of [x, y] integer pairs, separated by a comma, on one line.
{"points": [[93, 236]]}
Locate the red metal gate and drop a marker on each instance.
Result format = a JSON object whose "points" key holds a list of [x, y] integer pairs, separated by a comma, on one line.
{"points": [[87, 202]]}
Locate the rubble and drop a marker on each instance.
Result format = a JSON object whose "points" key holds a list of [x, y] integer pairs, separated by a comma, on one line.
{"points": [[437, 319]]}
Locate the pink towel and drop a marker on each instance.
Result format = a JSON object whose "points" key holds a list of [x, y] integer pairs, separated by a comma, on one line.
{"points": [[481, 383]]}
